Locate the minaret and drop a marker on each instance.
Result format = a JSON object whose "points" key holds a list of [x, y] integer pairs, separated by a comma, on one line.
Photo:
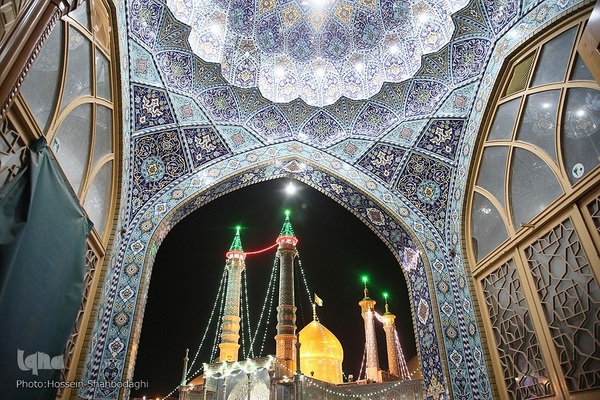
{"points": [[286, 310], [230, 329], [389, 326], [367, 306]]}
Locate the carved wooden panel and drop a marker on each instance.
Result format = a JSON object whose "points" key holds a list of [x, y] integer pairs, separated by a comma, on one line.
{"points": [[524, 369], [594, 209], [9, 11], [570, 298], [91, 266], [13, 152]]}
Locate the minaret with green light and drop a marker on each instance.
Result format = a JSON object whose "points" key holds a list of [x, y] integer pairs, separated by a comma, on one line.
{"points": [[367, 306], [389, 326], [286, 310], [230, 329]]}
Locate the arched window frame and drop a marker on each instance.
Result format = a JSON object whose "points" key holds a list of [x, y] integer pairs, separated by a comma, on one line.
{"points": [[20, 129], [578, 205]]}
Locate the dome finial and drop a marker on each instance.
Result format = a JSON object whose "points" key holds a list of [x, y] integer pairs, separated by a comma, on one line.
{"points": [[365, 279]]}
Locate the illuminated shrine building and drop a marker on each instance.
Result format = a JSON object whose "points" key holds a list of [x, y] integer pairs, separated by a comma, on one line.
{"points": [[309, 362], [321, 353]]}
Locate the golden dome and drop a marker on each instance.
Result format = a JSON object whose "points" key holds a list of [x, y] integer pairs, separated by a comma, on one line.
{"points": [[321, 353]]}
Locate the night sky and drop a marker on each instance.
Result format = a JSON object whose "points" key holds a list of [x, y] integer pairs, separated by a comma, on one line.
{"points": [[335, 250]]}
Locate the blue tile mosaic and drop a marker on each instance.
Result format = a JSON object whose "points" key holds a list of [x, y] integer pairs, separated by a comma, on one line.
{"points": [[150, 108], [142, 67], [187, 111], [205, 144], [441, 137]]}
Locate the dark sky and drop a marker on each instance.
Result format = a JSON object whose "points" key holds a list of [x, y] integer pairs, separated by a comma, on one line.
{"points": [[335, 249]]}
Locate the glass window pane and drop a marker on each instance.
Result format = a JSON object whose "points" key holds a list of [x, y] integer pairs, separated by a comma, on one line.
{"points": [[580, 70], [72, 144], [81, 15], [532, 186], [487, 227], [103, 144], [41, 86], [538, 125], [581, 133], [102, 76], [492, 171], [97, 201], [79, 67], [504, 120], [552, 63]]}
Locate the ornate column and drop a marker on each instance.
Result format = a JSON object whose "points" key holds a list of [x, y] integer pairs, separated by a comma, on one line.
{"points": [[230, 328], [367, 306], [389, 326], [286, 310]]}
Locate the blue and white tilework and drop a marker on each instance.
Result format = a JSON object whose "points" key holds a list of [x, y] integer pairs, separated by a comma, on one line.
{"points": [[398, 161]]}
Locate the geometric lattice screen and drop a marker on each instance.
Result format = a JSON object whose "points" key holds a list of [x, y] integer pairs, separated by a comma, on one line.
{"points": [[525, 372], [570, 297], [594, 209]]}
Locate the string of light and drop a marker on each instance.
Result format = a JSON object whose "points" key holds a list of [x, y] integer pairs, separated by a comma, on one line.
{"points": [[246, 330], [363, 364], [210, 319], [215, 345], [268, 301], [304, 281], [248, 253], [362, 395], [403, 367], [402, 361]]}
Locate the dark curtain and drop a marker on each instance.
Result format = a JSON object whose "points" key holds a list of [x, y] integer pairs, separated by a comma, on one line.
{"points": [[43, 231]]}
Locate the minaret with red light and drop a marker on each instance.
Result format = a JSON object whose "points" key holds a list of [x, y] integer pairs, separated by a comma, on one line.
{"points": [[367, 306], [230, 328], [286, 310]]}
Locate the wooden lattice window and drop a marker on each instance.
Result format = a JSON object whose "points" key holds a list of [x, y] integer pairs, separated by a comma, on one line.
{"points": [[533, 219]]}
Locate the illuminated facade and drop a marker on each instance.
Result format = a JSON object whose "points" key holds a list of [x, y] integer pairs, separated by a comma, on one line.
{"points": [[483, 162]]}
